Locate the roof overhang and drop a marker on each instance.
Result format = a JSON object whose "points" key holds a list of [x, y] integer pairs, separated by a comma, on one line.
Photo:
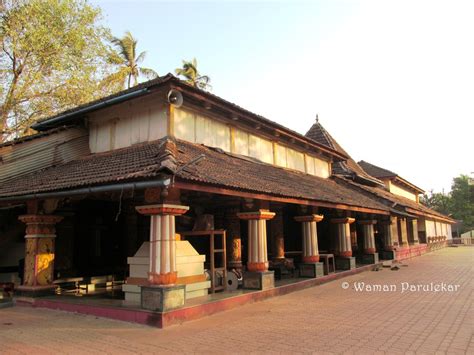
{"points": [[407, 184], [185, 185], [429, 215]]}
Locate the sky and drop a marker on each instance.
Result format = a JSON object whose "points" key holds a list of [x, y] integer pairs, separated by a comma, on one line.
{"points": [[391, 81]]}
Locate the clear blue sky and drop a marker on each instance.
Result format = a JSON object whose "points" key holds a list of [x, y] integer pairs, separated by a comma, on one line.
{"points": [[392, 81]]}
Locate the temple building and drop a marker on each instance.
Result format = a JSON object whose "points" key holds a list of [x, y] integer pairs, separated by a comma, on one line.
{"points": [[413, 227], [167, 193]]}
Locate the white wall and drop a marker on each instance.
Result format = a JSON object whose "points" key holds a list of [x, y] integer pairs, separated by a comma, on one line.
{"points": [[135, 121], [197, 128], [397, 190]]}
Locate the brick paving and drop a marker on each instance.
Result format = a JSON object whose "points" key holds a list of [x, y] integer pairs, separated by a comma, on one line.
{"points": [[322, 319]]}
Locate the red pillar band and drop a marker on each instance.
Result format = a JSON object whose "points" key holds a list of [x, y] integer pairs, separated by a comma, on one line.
{"points": [[257, 238], [310, 237], [162, 242], [368, 235], [343, 236]]}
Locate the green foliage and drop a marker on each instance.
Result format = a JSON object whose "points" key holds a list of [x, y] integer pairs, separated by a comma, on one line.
{"points": [[53, 57], [438, 201], [459, 203], [127, 63], [192, 76], [462, 200]]}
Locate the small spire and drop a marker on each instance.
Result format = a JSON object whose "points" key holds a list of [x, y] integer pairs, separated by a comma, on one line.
{"points": [[317, 118]]}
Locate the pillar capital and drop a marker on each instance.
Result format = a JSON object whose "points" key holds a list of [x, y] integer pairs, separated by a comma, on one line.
{"points": [[343, 220], [39, 224], [368, 222], [309, 218], [162, 209], [40, 219], [260, 214]]}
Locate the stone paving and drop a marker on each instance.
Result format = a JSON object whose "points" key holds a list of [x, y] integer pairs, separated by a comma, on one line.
{"points": [[325, 319]]}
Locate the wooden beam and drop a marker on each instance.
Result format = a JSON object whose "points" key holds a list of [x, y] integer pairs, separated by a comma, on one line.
{"points": [[419, 213], [259, 196]]}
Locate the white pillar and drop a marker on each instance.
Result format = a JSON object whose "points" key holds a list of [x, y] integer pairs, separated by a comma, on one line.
{"points": [[387, 235], [368, 234], [162, 269], [310, 237], [257, 238], [343, 236]]}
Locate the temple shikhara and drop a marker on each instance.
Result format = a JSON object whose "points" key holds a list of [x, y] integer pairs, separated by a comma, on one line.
{"points": [[164, 202]]}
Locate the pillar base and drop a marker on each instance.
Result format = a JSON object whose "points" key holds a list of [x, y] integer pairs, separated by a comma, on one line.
{"points": [[162, 298], [35, 291], [259, 280], [345, 263], [387, 255], [311, 270], [371, 258]]}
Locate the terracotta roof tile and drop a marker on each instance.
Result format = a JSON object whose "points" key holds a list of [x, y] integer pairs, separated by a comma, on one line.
{"points": [[392, 199], [349, 167], [148, 160], [376, 171]]}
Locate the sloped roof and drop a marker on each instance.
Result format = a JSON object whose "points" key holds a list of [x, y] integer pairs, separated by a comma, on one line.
{"points": [[346, 168], [395, 201], [381, 173], [376, 171], [166, 156]]}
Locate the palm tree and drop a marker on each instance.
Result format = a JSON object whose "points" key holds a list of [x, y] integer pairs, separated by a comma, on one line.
{"points": [[128, 61], [192, 76]]}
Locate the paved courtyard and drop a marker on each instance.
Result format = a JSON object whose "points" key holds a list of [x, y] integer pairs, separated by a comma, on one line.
{"points": [[435, 317]]}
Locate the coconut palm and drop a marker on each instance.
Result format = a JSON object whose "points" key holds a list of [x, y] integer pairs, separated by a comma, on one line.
{"points": [[192, 76], [128, 61]]}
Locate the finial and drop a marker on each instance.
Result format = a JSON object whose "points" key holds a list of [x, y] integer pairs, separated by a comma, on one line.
{"points": [[317, 118]]}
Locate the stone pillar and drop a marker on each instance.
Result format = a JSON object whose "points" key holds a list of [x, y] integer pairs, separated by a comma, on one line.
{"points": [[414, 223], [310, 237], [370, 257], [394, 231], [162, 242], [162, 294], [39, 254], [258, 276], [278, 241], [343, 250], [311, 266], [388, 252], [368, 234], [403, 233]]}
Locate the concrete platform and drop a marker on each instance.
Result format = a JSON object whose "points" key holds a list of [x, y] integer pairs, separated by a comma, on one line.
{"points": [[194, 309]]}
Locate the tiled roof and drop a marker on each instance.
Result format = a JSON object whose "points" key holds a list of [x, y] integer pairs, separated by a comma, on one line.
{"points": [[392, 200], [349, 167], [376, 171], [148, 160], [381, 173]]}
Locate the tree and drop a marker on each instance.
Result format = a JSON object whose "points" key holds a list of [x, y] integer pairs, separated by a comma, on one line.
{"points": [[128, 63], [438, 201], [192, 76], [53, 56], [462, 201], [459, 203]]}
